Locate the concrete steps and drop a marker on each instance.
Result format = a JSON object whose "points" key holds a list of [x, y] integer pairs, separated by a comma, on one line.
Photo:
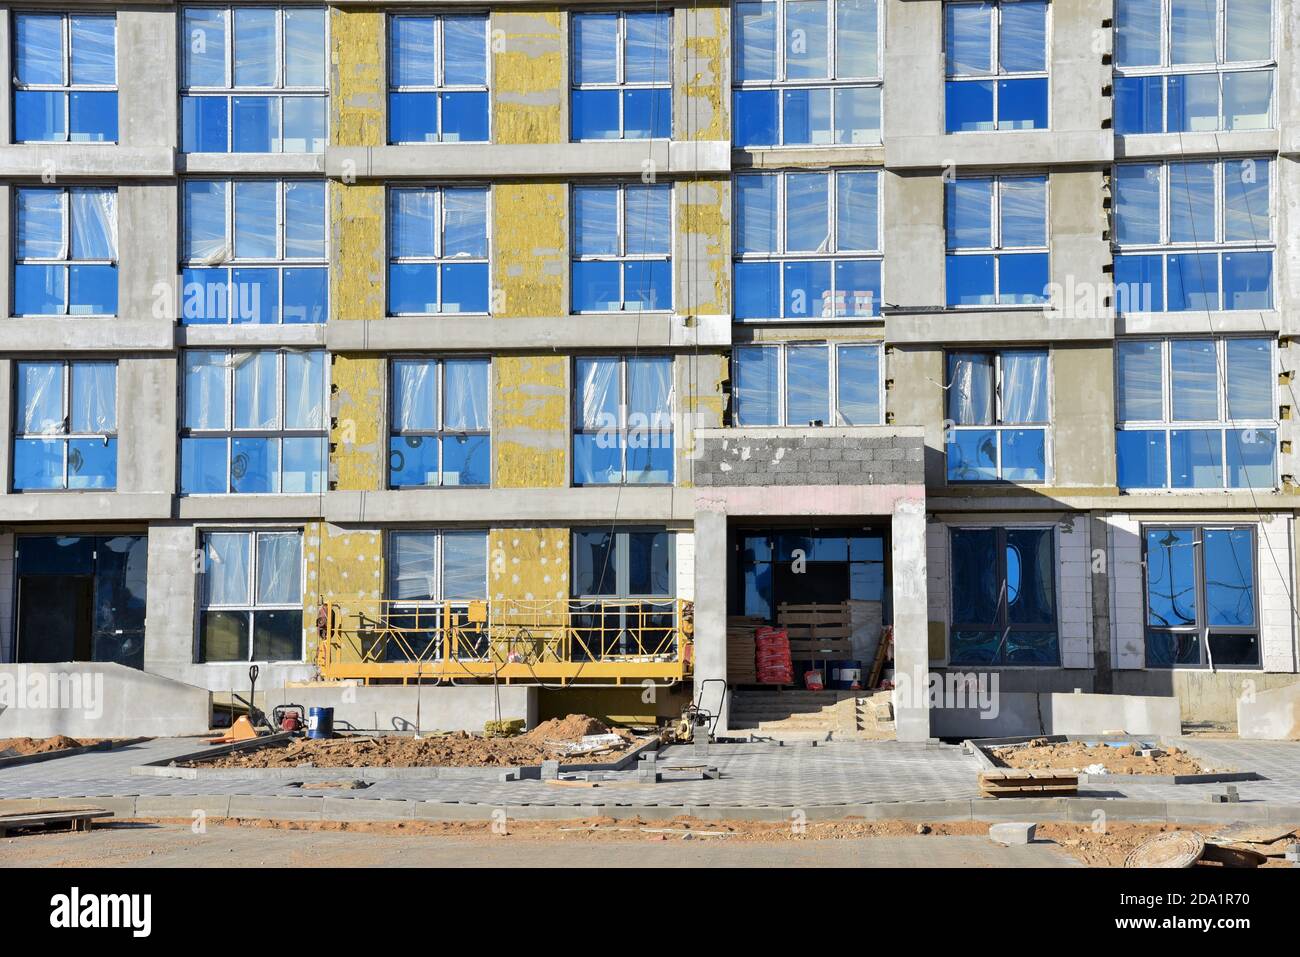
{"points": [[842, 714]]}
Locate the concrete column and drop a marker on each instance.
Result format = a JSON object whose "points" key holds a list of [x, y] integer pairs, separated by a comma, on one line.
{"points": [[6, 69], [147, 416], [7, 371], [146, 63], [711, 611], [169, 642], [147, 223], [911, 628]]}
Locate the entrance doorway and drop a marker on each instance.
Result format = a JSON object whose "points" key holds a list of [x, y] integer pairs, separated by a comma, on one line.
{"points": [[81, 598]]}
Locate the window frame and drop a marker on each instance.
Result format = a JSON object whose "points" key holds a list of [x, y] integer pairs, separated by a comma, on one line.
{"points": [[439, 259], [1223, 425], [996, 250], [66, 437], [1218, 246], [999, 425], [997, 73], [229, 91], [623, 561], [65, 261], [279, 263], [439, 17], [781, 398], [833, 256], [1202, 629], [1003, 623], [68, 87], [230, 432], [251, 607], [1220, 67], [430, 610], [441, 432], [622, 257], [781, 82], [620, 84], [654, 433]]}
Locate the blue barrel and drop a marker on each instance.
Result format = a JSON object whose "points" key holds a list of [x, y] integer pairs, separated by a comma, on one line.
{"points": [[846, 674], [320, 723]]}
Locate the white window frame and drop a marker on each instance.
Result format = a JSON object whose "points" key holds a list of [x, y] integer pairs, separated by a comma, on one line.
{"points": [[252, 606], [996, 72], [833, 82], [621, 83], [435, 605], [1223, 424], [441, 432], [65, 258], [66, 435], [654, 431], [999, 425], [997, 249], [623, 256], [833, 380], [440, 84], [67, 86], [439, 258]]}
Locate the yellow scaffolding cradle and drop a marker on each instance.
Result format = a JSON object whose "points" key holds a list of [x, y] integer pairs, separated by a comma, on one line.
{"points": [[605, 641]]}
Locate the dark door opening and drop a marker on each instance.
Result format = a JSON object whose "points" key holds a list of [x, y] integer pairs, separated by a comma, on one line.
{"points": [[81, 598]]}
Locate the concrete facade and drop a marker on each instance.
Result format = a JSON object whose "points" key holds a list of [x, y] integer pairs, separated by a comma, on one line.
{"points": [[893, 473]]}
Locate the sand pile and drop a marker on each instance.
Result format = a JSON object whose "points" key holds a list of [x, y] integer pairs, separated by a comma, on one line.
{"points": [[58, 742], [1040, 754]]}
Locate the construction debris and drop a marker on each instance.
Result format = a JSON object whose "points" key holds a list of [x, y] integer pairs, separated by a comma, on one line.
{"points": [[1081, 757], [77, 819]]}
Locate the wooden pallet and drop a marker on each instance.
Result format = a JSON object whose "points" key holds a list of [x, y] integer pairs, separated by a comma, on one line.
{"points": [[741, 666], [1012, 782], [817, 632], [77, 819]]}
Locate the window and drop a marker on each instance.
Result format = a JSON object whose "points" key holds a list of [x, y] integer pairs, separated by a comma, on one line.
{"points": [[771, 567], [65, 433], [66, 252], [1194, 236], [997, 240], [253, 80], [1185, 66], [1200, 608], [623, 420], [437, 79], [253, 422], [622, 585], [439, 423], [251, 589], [65, 78], [818, 86], [800, 244], [1196, 413], [622, 76], [437, 250], [996, 66], [1003, 597], [431, 576], [998, 415], [272, 235], [808, 383], [622, 241]]}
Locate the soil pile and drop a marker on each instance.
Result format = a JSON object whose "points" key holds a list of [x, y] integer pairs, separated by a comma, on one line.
{"points": [[1040, 754], [60, 742]]}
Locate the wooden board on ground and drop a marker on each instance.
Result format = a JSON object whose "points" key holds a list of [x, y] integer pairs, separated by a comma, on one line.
{"points": [[1013, 782], [78, 819]]}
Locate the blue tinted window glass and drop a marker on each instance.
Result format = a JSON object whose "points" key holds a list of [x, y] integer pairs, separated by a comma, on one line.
{"points": [[596, 287], [256, 215], [1193, 102], [1229, 577], [1022, 40], [464, 227], [647, 114], [92, 463], [970, 281], [203, 466], [1196, 458], [38, 463], [758, 290], [304, 220], [255, 296], [204, 296], [412, 117], [968, 105], [595, 114], [647, 58], [1171, 577], [597, 459], [969, 211], [755, 117], [1251, 453], [38, 48], [1022, 278], [807, 289], [465, 287], [1139, 104], [203, 124], [1141, 459], [1031, 570], [858, 382], [650, 459], [40, 115], [857, 211], [1248, 280], [255, 122], [92, 116], [595, 220], [755, 41], [412, 460], [1193, 282], [1139, 284], [756, 213], [465, 50], [807, 385], [39, 290], [647, 284], [464, 117], [595, 48], [412, 51], [412, 288], [972, 455], [1137, 203], [1022, 104], [304, 125], [92, 290], [857, 287], [806, 117], [756, 385], [466, 460], [254, 465], [1024, 455], [306, 295], [976, 585], [305, 463]]}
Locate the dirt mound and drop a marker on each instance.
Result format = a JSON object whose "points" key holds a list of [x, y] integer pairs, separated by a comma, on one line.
{"points": [[572, 728], [1040, 754], [60, 742]]}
